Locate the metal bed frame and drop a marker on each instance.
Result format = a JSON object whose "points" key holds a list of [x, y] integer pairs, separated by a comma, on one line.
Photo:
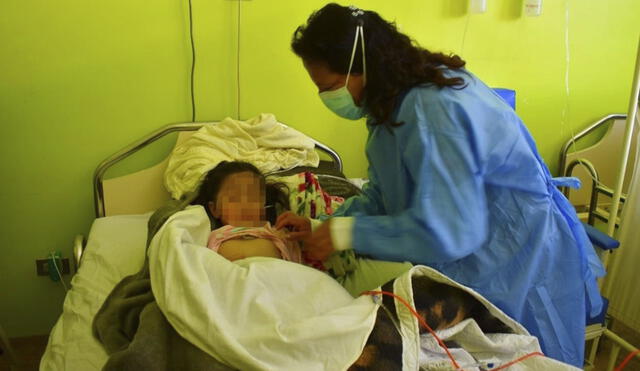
{"points": [[597, 188], [597, 330], [98, 176], [583, 133]]}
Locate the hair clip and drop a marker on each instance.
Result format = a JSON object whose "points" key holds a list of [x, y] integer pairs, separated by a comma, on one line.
{"points": [[355, 11]]}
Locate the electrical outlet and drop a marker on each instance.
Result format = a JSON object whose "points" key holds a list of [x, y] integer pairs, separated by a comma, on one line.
{"points": [[42, 266]]}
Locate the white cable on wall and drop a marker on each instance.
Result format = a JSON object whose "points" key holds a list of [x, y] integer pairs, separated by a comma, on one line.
{"points": [[238, 64], [567, 61], [464, 36], [53, 259], [566, 110], [193, 64]]}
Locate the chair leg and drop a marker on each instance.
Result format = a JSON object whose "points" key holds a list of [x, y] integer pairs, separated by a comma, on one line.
{"points": [[594, 350], [613, 356]]}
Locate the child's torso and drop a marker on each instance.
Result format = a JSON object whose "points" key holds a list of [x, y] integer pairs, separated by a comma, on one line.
{"points": [[236, 243]]}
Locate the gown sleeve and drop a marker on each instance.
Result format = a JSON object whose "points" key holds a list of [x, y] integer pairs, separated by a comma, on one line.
{"points": [[447, 218], [369, 202]]}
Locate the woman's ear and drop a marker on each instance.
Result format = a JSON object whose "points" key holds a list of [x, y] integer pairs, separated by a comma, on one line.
{"points": [[215, 212]]}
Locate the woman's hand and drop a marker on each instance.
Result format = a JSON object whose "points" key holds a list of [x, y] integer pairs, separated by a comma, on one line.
{"points": [[299, 227], [319, 246]]}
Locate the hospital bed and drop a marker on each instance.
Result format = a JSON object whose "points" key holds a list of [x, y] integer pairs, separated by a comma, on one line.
{"points": [[115, 246]]}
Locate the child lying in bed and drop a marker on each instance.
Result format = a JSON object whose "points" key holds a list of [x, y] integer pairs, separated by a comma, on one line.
{"points": [[242, 206]]}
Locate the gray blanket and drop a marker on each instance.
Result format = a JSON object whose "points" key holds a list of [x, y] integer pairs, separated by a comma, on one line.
{"points": [[133, 330]]}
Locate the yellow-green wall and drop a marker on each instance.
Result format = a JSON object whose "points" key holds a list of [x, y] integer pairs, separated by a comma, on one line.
{"points": [[501, 46], [79, 80]]}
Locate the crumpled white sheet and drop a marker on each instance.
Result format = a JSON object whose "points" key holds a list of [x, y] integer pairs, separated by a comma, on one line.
{"points": [[477, 349], [256, 313], [484, 351], [261, 141]]}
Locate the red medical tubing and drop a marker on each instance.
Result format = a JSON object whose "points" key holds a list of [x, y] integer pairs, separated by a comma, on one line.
{"points": [[420, 319], [626, 360], [517, 360]]}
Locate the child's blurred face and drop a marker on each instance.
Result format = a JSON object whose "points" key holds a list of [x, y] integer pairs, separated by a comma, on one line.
{"points": [[240, 201]]}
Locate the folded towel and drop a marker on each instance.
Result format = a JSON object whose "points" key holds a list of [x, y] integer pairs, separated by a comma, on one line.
{"points": [[261, 141]]}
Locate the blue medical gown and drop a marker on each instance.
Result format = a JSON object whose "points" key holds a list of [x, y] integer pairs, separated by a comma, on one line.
{"points": [[461, 187]]}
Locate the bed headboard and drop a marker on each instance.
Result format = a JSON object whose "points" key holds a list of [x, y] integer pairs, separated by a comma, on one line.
{"points": [[144, 191], [599, 156]]}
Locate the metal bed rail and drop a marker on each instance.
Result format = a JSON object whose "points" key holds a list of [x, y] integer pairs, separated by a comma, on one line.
{"points": [[98, 176]]}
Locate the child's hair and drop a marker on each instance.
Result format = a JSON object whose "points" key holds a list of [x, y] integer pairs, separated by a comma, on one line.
{"points": [[276, 194]]}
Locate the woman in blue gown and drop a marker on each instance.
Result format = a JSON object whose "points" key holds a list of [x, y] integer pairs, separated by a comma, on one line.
{"points": [[455, 180]]}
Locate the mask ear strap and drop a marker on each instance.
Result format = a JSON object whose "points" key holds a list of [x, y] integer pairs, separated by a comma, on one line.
{"points": [[353, 53], [364, 58]]}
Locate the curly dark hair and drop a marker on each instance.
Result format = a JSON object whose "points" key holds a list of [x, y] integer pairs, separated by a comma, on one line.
{"points": [[394, 62]]}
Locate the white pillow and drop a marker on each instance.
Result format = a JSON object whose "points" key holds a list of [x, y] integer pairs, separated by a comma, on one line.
{"points": [[115, 248]]}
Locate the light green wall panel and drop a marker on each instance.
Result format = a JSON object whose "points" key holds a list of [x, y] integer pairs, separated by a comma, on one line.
{"points": [[272, 79], [78, 81]]}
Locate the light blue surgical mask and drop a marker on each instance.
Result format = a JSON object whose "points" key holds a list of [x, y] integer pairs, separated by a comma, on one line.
{"points": [[340, 101]]}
